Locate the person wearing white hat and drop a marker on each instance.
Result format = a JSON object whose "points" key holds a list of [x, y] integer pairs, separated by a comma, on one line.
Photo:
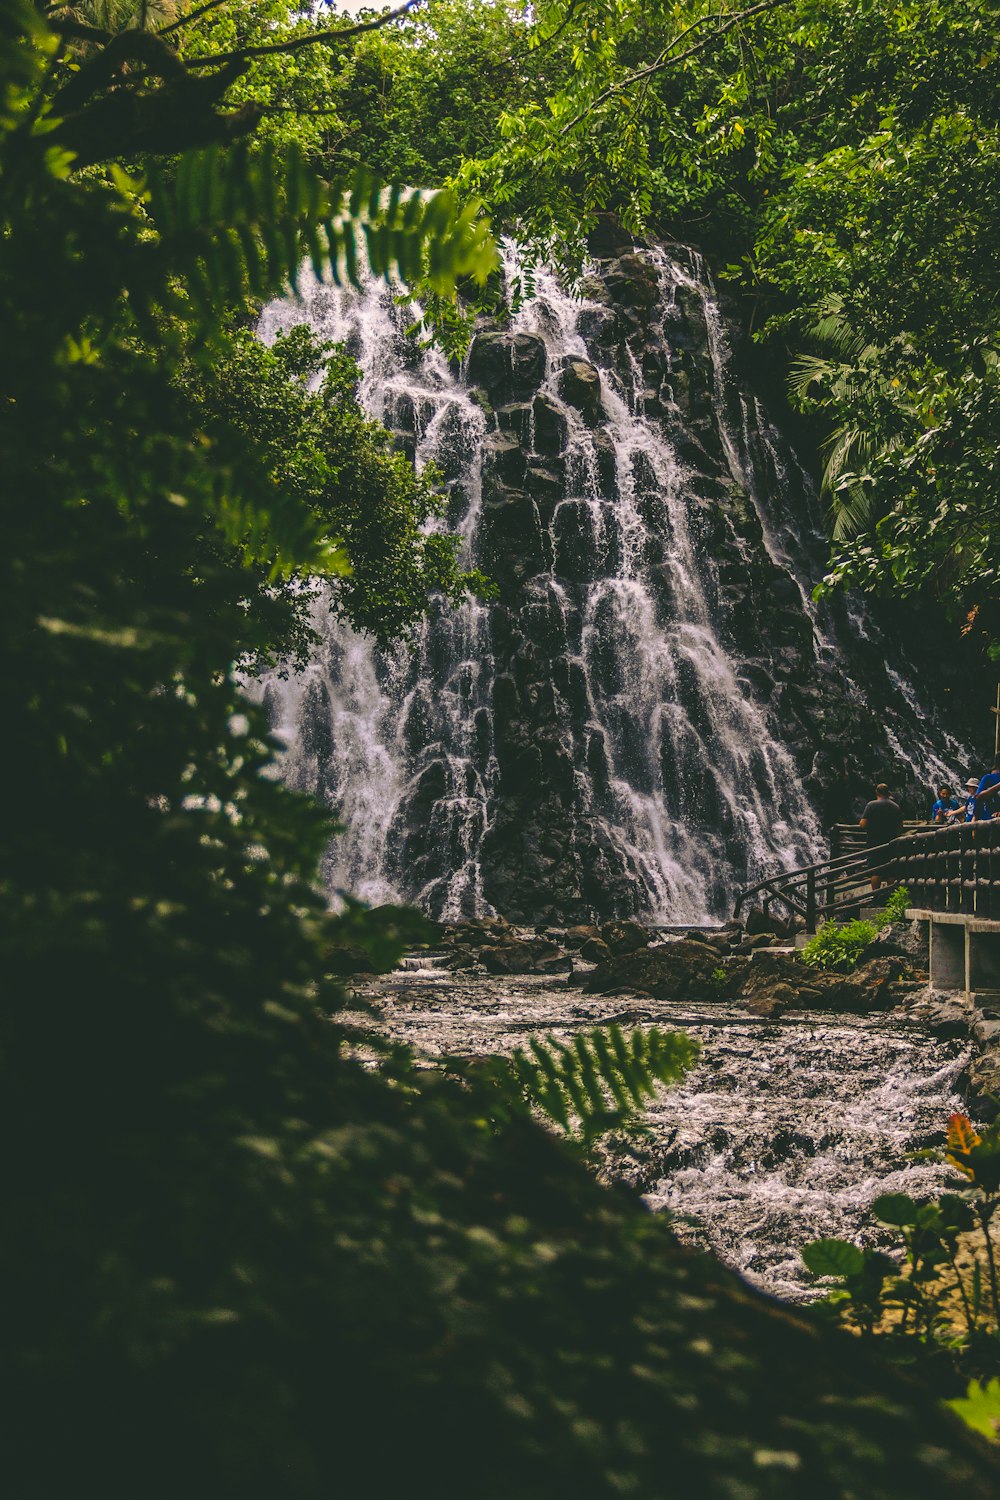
{"points": [[971, 787]]}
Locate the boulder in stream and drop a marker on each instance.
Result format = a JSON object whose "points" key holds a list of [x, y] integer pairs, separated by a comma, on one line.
{"points": [[525, 956], [625, 936], [576, 937], [672, 971], [774, 982]]}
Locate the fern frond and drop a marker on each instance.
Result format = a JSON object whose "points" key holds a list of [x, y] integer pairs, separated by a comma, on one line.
{"points": [[602, 1080], [228, 219]]}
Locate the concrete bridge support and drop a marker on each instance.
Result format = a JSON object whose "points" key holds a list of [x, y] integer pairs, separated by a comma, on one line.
{"points": [[964, 954]]}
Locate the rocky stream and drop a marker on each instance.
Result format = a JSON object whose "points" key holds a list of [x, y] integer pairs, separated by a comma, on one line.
{"points": [[786, 1131]]}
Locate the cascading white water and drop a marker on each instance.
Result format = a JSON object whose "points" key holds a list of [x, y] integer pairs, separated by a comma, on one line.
{"points": [[695, 782], [677, 780], [359, 722], [784, 1133]]}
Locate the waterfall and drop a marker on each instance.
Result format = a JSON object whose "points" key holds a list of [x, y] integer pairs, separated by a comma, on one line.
{"points": [[392, 740], [689, 780], [602, 738]]}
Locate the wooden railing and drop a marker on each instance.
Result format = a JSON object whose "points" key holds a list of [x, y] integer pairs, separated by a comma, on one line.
{"points": [[849, 838], [952, 869], [944, 869]]}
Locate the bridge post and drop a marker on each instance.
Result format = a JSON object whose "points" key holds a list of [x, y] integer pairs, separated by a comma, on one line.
{"points": [[811, 901]]}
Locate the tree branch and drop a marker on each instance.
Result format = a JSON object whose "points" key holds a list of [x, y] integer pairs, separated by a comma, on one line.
{"points": [[78, 31], [103, 67], [663, 62], [311, 39], [192, 15]]}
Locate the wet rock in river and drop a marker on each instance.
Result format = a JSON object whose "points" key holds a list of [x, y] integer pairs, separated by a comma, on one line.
{"points": [[760, 940], [674, 971], [883, 949], [983, 1086], [781, 981], [769, 984], [595, 950], [576, 937], [946, 1019], [719, 942], [762, 921], [530, 956], [343, 962], [625, 936]]}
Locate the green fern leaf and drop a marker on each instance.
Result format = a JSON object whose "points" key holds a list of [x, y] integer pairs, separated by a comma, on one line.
{"points": [[603, 1079]]}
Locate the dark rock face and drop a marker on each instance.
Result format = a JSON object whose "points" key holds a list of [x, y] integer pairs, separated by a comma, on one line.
{"points": [[545, 855], [580, 386]]}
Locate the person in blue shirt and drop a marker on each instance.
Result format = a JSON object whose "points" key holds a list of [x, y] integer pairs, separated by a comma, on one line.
{"points": [[971, 787], [986, 793], [946, 806]]}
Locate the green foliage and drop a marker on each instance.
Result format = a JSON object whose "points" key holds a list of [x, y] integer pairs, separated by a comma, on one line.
{"points": [[240, 221], [603, 1078], [979, 1408], [295, 401], [843, 160], [870, 1284], [897, 905], [833, 1258], [426, 98], [838, 945], [948, 1289], [861, 1274]]}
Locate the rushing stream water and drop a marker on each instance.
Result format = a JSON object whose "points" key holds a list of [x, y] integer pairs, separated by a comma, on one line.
{"points": [[784, 1133]]}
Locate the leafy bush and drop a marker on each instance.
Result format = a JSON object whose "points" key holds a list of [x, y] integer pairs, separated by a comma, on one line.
{"points": [[936, 1294], [979, 1408], [897, 905], [837, 946]]}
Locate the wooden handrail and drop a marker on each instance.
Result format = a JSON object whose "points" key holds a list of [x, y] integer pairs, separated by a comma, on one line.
{"points": [[931, 859]]}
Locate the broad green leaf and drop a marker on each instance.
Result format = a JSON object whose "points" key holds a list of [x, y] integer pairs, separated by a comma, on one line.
{"points": [[833, 1258]]}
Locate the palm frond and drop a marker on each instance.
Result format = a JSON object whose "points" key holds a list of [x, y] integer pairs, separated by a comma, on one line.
{"points": [[853, 511]]}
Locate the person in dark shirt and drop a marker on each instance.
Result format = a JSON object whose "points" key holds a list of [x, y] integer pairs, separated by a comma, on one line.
{"points": [[882, 821], [946, 806], [987, 805]]}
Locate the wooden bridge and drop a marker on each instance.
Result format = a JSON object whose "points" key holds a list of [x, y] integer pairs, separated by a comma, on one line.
{"points": [[952, 870]]}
